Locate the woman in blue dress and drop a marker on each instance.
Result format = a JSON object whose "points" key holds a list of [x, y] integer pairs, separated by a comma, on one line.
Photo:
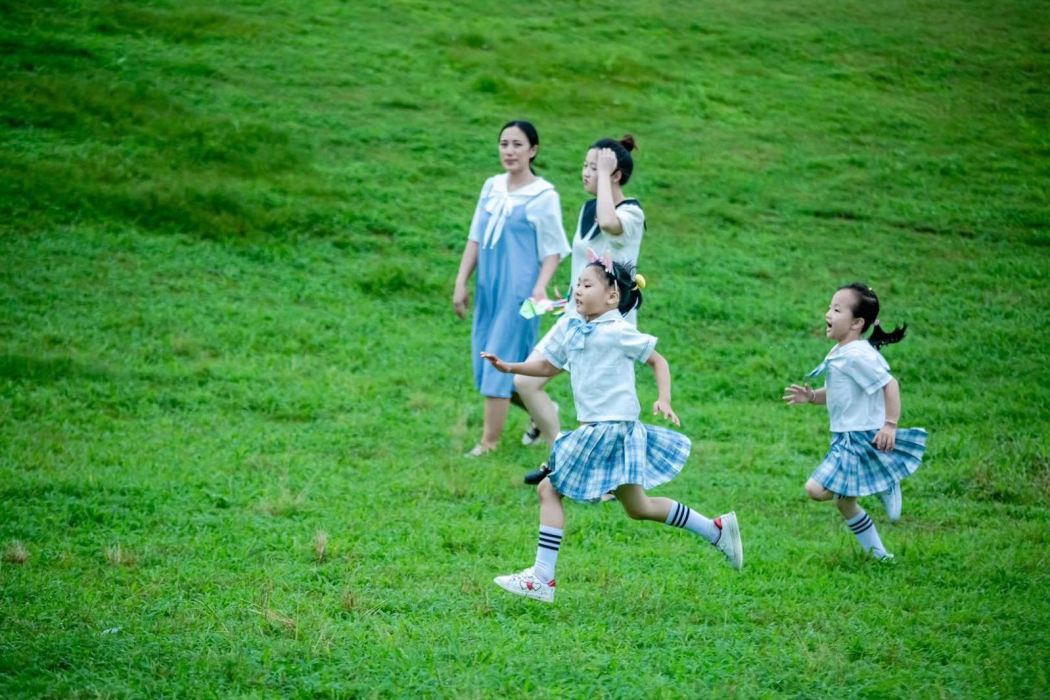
{"points": [[516, 242]]}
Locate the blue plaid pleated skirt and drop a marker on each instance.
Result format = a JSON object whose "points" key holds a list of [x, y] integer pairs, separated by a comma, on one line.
{"points": [[855, 467], [598, 457]]}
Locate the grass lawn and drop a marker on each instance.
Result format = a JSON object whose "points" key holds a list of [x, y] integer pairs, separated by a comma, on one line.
{"points": [[234, 398]]}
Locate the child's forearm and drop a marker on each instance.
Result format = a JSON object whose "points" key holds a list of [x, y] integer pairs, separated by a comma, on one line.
{"points": [[892, 393], [605, 210], [662, 375], [537, 367]]}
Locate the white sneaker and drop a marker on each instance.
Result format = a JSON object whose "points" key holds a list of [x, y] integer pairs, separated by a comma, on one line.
{"points": [[533, 434], [530, 436], [891, 501], [729, 542], [526, 584]]}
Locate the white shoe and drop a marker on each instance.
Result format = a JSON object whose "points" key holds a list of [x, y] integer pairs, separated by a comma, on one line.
{"points": [[729, 542], [533, 434], [891, 501], [526, 584], [530, 436]]}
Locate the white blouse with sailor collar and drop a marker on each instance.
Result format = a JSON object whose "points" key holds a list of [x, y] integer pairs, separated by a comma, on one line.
{"points": [[600, 357]]}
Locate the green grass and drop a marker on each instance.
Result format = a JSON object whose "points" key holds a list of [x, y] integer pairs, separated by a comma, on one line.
{"points": [[233, 396]]}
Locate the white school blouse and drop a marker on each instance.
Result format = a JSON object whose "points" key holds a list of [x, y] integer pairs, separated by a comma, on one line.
{"points": [[625, 247], [856, 374], [600, 358]]}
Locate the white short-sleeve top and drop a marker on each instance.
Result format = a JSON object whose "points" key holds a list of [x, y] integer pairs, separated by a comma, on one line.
{"points": [[600, 358], [542, 211], [624, 247], [856, 373]]}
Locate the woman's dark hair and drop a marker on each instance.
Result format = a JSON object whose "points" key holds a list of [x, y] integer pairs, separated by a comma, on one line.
{"points": [[622, 149], [867, 308], [622, 276], [530, 133]]}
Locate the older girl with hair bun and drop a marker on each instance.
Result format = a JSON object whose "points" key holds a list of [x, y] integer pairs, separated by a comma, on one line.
{"points": [[610, 223], [516, 241]]}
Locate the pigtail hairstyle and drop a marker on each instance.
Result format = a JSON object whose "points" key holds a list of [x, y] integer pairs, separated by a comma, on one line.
{"points": [[531, 134], [867, 308], [624, 276], [622, 149]]}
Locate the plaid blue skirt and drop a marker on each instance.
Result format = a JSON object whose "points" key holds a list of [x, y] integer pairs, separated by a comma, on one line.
{"points": [[598, 457], [855, 467]]}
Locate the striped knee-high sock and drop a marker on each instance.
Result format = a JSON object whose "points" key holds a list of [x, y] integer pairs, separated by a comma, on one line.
{"points": [[547, 552], [685, 517], [862, 526]]}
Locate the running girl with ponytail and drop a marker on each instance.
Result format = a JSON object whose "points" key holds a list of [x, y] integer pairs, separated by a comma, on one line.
{"points": [[869, 454], [611, 450]]}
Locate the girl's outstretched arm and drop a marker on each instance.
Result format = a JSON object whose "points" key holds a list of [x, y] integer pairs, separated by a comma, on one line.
{"points": [[886, 439], [797, 393], [662, 374], [537, 367]]}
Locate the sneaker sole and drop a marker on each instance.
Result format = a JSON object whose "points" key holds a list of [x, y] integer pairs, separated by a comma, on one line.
{"points": [[731, 529], [523, 594]]}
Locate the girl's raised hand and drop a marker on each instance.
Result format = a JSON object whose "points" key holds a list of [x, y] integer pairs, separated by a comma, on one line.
{"points": [[606, 161], [664, 408], [796, 394], [496, 362]]}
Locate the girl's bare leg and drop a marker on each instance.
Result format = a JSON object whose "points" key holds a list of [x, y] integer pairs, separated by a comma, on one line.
{"points": [[817, 492], [639, 506], [552, 512], [848, 508]]}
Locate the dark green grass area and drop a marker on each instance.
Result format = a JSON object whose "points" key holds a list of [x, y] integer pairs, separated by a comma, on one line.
{"points": [[234, 398]]}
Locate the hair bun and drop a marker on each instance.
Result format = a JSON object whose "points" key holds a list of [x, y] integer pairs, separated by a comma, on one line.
{"points": [[628, 142]]}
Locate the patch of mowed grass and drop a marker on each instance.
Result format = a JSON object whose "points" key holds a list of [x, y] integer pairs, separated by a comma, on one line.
{"points": [[228, 238]]}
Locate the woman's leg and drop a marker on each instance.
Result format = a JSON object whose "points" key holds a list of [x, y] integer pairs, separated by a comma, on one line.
{"points": [[495, 416]]}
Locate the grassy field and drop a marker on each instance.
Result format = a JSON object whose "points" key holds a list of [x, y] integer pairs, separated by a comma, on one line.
{"points": [[234, 398]]}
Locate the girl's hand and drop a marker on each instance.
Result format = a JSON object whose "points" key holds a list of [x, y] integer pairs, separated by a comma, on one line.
{"points": [[664, 408], [606, 162], [796, 394], [496, 362], [460, 300], [539, 294], [886, 439]]}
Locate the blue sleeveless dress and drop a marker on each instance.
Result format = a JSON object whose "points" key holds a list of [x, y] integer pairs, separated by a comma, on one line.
{"points": [[508, 265]]}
